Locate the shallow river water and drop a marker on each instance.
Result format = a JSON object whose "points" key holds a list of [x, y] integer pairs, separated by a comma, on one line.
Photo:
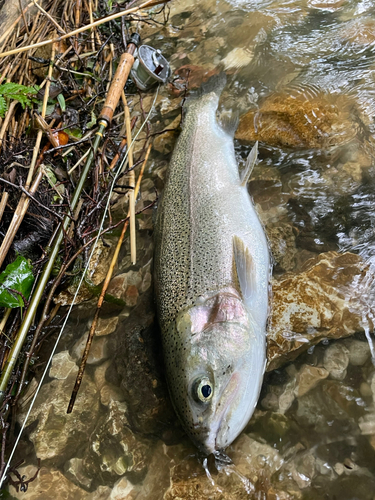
{"points": [[302, 76]]}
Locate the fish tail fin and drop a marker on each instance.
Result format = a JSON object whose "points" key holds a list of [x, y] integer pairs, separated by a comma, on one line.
{"points": [[215, 83]]}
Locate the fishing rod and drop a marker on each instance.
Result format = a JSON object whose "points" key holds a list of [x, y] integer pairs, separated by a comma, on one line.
{"points": [[117, 86]]}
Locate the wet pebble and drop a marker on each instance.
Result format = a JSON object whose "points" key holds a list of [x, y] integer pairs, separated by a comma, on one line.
{"points": [[106, 326], [98, 350], [283, 245], [311, 306], [303, 119], [309, 377], [55, 433], [62, 366], [336, 360], [123, 489], [359, 352], [49, 484], [74, 471]]}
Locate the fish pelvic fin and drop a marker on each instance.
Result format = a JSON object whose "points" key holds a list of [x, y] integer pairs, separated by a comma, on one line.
{"points": [[250, 162], [245, 269]]}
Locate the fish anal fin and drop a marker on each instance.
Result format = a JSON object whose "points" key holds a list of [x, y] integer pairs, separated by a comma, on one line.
{"points": [[245, 268], [250, 162]]}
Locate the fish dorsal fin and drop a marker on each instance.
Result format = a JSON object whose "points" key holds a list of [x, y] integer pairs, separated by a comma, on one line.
{"points": [[250, 162], [229, 122], [245, 268]]}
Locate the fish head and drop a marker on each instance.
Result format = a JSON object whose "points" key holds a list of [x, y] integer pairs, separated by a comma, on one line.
{"points": [[218, 367]]}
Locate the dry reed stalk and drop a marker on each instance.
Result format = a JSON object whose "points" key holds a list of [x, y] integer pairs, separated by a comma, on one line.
{"points": [[147, 4], [18, 216], [79, 162], [50, 18], [3, 203], [12, 27], [24, 202], [43, 114], [7, 312], [24, 18], [94, 30], [8, 117], [133, 246], [103, 292]]}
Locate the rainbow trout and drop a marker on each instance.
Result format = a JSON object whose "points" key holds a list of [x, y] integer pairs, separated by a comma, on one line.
{"points": [[211, 273]]}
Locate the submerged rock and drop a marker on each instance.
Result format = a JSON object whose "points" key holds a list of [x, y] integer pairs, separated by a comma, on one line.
{"points": [[336, 361], [56, 434], [248, 477], [114, 448], [309, 377], [62, 366], [138, 369], [322, 302], [49, 484], [96, 273], [303, 118]]}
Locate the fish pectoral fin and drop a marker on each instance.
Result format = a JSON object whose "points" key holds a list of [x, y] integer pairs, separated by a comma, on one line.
{"points": [[250, 162], [229, 123], [245, 268]]}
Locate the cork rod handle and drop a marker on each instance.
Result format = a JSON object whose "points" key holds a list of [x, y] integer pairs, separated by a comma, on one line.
{"points": [[118, 84]]}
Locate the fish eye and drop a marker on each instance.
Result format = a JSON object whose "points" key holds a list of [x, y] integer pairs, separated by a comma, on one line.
{"points": [[203, 389]]}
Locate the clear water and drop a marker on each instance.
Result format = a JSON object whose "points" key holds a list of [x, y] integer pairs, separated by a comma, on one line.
{"points": [[315, 445]]}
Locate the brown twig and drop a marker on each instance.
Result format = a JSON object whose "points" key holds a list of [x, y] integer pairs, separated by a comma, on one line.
{"points": [[102, 295], [133, 247], [24, 18], [149, 3], [3, 203], [50, 18]]}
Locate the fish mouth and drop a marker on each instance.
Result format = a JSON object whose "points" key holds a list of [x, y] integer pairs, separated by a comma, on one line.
{"points": [[214, 441]]}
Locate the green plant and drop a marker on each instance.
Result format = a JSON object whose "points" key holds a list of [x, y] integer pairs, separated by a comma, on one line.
{"points": [[18, 92], [17, 277]]}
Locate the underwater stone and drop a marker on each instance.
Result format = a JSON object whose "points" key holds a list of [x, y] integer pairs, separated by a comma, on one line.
{"points": [[309, 377], [301, 120], [62, 365], [324, 301], [106, 326], [114, 448], [56, 434], [302, 469], [101, 493], [125, 287], [98, 350], [137, 368], [123, 489], [96, 274], [336, 360], [49, 484], [73, 470], [359, 352], [283, 245], [250, 477]]}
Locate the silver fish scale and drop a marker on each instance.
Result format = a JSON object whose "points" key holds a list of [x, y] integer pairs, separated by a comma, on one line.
{"points": [[203, 207], [189, 262]]}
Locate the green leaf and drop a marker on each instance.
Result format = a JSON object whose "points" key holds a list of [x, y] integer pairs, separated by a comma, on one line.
{"points": [[61, 101], [3, 106], [18, 92], [74, 132], [18, 276], [92, 122]]}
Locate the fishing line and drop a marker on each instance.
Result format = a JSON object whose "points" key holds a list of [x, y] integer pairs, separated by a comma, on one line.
{"points": [[118, 171]]}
